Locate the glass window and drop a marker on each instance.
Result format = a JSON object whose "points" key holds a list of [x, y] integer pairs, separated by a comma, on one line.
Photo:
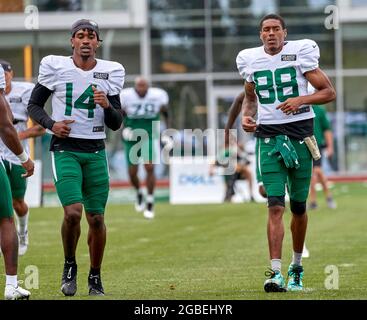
{"points": [[187, 105], [355, 104], [354, 45], [235, 26], [178, 51], [177, 36], [80, 5]]}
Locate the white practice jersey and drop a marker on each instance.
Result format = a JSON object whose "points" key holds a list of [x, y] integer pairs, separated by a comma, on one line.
{"points": [[18, 99], [72, 97], [2, 78], [279, 77], [147, 107]]}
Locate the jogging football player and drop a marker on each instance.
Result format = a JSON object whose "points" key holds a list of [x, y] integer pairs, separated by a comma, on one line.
{"points": [[17, 95], [8, 232], [276, 76], [143, 105], [85, 97]]}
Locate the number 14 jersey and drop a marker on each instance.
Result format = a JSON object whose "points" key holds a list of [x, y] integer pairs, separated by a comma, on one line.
{"points": [[73, 96], [279, 77]]}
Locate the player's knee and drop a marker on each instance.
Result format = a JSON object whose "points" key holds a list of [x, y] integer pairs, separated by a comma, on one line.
{"points": [[276, 201], [20, 207], [149, 168], [298, 208], [96, 221], [72, 215]]}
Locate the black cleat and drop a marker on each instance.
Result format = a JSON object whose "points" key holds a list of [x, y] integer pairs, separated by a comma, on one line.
{"points": [[68, 282], [95, 285]]}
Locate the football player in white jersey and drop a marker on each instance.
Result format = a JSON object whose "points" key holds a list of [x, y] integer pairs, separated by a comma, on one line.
{"points": [[276, 77], [143, 105], [85, 97], [17, 94], [8, 232]]}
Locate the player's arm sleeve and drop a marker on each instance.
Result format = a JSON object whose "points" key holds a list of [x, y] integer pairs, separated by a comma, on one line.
{"points": [[308, 56], [113, 115], [36, 105], [243, 66]]}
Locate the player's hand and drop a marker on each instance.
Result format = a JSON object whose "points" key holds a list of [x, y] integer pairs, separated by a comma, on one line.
{"points": [[167, 141], [29, 168], [127, 134], [248, 124], [22, 135], [290, 105], [100, 98], [61, 128]]}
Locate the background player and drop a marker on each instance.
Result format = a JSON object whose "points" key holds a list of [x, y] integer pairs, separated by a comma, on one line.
{"points": [[233, 112], [8, 233], [17, 94], [324, 138], [143, 105]]}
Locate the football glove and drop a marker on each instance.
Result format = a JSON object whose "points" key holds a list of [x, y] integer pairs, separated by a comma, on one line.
{"points": [[127, 134], [286, 151], [167, 141]]}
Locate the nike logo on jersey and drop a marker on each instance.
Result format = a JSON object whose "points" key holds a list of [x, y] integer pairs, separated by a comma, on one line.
{"points": [[314, 46], [301, 142]]}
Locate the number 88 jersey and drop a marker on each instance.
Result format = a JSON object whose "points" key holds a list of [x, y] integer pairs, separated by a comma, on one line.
{"points": [[73, 96], [279, 77]]}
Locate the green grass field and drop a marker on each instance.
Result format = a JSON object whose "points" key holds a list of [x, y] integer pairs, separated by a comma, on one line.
{"points": [[205, 251]]}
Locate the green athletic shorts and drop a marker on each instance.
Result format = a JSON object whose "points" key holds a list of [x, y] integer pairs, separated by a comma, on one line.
{"points": [[81, 177], [6, 203], [142, 151], [18, 184], [275, 175]]}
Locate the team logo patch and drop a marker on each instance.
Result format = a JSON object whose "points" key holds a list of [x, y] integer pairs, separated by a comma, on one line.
{"points": [[15, 100], [98, 129], [267, 140], [100, 75], [289, 57]]}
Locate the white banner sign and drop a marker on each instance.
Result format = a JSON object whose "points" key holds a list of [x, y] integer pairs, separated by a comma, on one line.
{"points": [[191, 181]]}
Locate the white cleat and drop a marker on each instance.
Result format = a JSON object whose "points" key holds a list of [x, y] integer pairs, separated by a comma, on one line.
{"points": [[305, 252], [18, 293], [139, 207], [23, 243], [148, 214]]}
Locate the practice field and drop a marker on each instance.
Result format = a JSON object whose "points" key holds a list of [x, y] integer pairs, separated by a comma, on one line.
{"points": [[206, 251]]}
